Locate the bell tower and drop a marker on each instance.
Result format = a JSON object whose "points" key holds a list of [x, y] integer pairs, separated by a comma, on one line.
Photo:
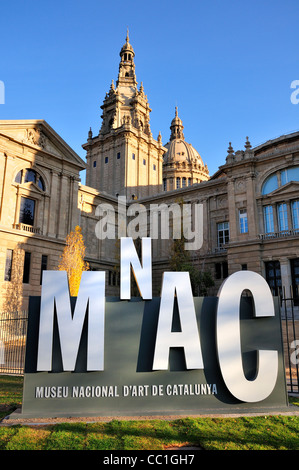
{"points": [[126, 74], [124, 159]]}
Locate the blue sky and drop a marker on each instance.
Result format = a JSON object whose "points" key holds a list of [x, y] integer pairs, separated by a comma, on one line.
{"points": [[227, 64]]}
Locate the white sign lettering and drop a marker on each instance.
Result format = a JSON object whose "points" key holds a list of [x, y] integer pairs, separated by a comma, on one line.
{"points": [[177, 283], [55, 293], [143, 274], [91, 297], [229, 338]]}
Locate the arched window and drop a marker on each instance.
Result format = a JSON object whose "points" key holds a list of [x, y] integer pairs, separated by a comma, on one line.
{"points": [[290, 174], [30, 176], [270, 184], [279, 179]]}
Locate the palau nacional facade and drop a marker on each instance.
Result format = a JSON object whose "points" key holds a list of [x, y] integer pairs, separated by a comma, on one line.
{"points": [[250, 205]]}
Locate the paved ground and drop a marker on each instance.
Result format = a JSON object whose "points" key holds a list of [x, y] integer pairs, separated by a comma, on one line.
{"points": [[15, 418]]}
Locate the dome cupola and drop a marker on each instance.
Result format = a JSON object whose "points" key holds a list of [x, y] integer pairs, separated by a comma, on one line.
{"points": [[182, 164], [127, 51]]}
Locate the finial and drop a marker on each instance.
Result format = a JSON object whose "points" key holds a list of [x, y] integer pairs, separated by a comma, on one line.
{"points": [[127, 38], [90, 133], [230, 150], [176, 111], [112, 85], [247, 144]]}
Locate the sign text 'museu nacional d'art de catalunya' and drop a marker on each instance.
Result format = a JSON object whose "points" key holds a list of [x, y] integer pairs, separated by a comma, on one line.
{"points": [[152, 356]]}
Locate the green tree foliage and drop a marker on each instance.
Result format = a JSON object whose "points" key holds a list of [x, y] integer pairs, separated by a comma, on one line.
{"points": [[180, 260]]}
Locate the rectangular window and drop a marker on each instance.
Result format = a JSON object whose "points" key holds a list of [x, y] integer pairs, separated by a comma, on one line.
{"points": [[94, 164], [221, 270], [27, 209], [106, 159], [223, 233], [164, 184], [282, 214], [44, 264], [183, 182], [26, 272], [189, 182], [133, 156], [295, 214], [243, 221], [178, 183], [118, 156], [218, 273], [113, 278], [273, 277], [8, 265], [144, 161], [224, 269], [268, 219], [154, 167]]}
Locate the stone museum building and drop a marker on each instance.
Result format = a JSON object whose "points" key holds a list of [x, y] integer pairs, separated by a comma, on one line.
{"points": [[250, 205]]}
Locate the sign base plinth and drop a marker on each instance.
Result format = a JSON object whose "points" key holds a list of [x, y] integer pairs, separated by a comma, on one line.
{"points": [[128, 385]]}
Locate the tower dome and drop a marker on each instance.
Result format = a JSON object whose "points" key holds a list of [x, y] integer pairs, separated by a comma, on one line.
{"points": [[178, 150], [127, 49], [182, 164]]}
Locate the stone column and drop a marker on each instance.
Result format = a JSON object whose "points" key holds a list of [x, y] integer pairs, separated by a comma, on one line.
{"points": [[260, 218], [17, 208], [289, 212], [3, 185], [231, 210], [251, 207], [46, 214], [64, 206], [206, 226], [74, 205], [275, 218], [52, 229]]}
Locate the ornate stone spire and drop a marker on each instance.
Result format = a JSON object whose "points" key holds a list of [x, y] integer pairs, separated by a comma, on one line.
{"points": [[126, 74], [230, 149], [176, 127], [248, 145], [230, 153]]}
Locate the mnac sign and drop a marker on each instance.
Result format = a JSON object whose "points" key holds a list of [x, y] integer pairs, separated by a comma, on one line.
{"points": [[97, 356]]}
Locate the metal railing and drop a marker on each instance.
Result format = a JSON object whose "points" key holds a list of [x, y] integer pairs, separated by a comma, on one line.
{"points": [[290, 333], [280, 234], [13, 331]]}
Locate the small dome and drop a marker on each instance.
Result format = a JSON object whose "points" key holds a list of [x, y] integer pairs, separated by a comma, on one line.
{"points": [[176, 121], [127, 47], [179, 150], [182, 164]]}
